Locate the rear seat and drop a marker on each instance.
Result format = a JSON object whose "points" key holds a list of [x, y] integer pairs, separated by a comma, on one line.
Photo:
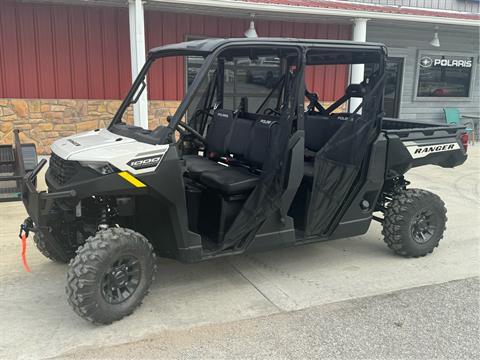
{"points": [[319, 129], [248, 140]]}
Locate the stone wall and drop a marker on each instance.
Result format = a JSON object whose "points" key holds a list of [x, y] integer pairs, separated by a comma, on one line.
{"points": [[43, 121]]}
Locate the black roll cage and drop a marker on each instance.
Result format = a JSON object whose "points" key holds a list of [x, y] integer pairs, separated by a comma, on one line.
{"points": [[301, 46]]}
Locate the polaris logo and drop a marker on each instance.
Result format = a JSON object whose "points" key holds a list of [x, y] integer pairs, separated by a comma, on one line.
{"points": [[417, 151], [452, 63], [427, 61], [146, 162], [73, 142]]}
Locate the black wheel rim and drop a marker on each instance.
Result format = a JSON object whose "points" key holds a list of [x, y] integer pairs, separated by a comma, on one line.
{"points": [[121, 280], [423, 226]]}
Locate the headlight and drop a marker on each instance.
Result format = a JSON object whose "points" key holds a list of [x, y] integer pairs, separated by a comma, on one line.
{"points": [[100, 167]]}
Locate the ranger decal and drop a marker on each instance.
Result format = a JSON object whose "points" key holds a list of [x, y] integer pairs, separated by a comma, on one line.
{"points": [[419, 151]]}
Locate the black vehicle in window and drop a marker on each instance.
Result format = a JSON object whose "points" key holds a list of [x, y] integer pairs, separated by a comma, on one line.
{"points": [[240, 167]]}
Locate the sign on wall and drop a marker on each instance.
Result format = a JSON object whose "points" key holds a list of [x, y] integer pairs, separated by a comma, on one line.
{"points": [[444, 75]]}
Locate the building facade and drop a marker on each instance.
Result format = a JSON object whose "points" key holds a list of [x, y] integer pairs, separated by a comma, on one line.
{"points": [[65, 65]]}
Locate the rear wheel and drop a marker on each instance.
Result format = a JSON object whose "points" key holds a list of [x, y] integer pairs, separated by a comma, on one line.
{"points": [[110, 275], [414, 222]]}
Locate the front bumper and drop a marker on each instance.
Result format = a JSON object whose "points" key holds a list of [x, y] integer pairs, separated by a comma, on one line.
{"points": [[38, 204]]}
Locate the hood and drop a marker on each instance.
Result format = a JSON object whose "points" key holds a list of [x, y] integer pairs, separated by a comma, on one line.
{"points": [[105, 146], [70, 147]]}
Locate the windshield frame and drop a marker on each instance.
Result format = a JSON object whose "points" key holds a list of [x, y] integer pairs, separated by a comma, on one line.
{"points": [[141, 77]]}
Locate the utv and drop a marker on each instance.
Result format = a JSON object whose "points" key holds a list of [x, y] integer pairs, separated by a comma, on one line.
{"points": [[242, 166]]}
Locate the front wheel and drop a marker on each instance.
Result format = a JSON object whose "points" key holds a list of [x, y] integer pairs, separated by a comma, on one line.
{"points": [[46, 249], [110, 275], [414, 222]]}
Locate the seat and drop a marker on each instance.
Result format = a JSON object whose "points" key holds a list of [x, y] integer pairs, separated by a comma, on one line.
{"points": [[230, 180], [245, 143], [196, 165], [216, 141], [253, 138], [320, 129]]}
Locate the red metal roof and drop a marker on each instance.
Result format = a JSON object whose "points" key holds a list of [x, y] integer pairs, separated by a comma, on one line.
{"points": [[354, 6]]}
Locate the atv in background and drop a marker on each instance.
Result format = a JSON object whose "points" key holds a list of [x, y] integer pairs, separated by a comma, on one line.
{"points": [[243, 165]]}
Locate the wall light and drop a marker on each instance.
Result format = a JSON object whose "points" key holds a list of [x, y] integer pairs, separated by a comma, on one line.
{"points": [[251, 32], [435, 41]]}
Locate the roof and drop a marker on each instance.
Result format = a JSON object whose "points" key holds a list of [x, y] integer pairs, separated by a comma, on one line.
{"points": [[296, 10], [357, 6], [205, 46]]}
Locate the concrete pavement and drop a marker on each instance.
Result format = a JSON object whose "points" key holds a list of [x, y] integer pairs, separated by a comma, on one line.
{"points": [[36, 321], [438, 321]]}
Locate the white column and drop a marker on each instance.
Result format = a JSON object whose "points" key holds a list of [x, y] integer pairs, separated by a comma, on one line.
{"points": [[357, 71], [137, 56]]}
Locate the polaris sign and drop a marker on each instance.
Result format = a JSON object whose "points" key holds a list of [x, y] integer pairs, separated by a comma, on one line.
{"points": [[427, 61]]}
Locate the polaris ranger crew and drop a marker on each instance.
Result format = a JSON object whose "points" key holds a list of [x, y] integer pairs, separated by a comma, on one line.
{"points": [[246, 163]]}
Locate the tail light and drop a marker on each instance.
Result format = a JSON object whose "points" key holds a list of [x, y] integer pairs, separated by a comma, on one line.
{"points": [[464, 140]]}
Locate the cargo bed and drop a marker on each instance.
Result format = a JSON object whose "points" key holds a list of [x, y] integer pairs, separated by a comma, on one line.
{"points": [[412, 144]]}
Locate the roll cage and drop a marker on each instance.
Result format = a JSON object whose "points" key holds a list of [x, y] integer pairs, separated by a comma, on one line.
{"points": [[310, 52]]}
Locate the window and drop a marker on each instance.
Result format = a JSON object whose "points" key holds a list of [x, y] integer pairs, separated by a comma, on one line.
{"points": [[393, 85], [441, 76], [194, 63], [254, 79]]}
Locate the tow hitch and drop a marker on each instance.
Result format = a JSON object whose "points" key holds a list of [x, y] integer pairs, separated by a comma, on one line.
{"points": [[23, 235]]}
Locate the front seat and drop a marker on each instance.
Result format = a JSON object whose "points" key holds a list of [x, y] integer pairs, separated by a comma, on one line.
{"points": [[216, 141]]}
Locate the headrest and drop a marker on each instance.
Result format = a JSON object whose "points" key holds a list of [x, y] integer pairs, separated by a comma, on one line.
{"points": [[260, 141], [218, 131], [356, 90], [223, 114]]}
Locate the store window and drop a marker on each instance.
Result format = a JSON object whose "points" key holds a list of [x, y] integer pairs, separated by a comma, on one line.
{"points": [[441, 76]]}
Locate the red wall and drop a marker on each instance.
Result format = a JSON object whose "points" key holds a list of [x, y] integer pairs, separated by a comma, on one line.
{"points": [[63, 52], [82, 52]]}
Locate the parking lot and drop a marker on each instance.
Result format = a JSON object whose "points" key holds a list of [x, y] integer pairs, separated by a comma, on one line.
{"points": [[36, 321]]}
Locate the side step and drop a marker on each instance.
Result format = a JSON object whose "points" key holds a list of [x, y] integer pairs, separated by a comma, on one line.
{"points": [[13, 166]]}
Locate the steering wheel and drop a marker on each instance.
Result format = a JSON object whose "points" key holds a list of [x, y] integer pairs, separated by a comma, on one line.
{"points": [[185, 129], [206, 112], [270, 111]]}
